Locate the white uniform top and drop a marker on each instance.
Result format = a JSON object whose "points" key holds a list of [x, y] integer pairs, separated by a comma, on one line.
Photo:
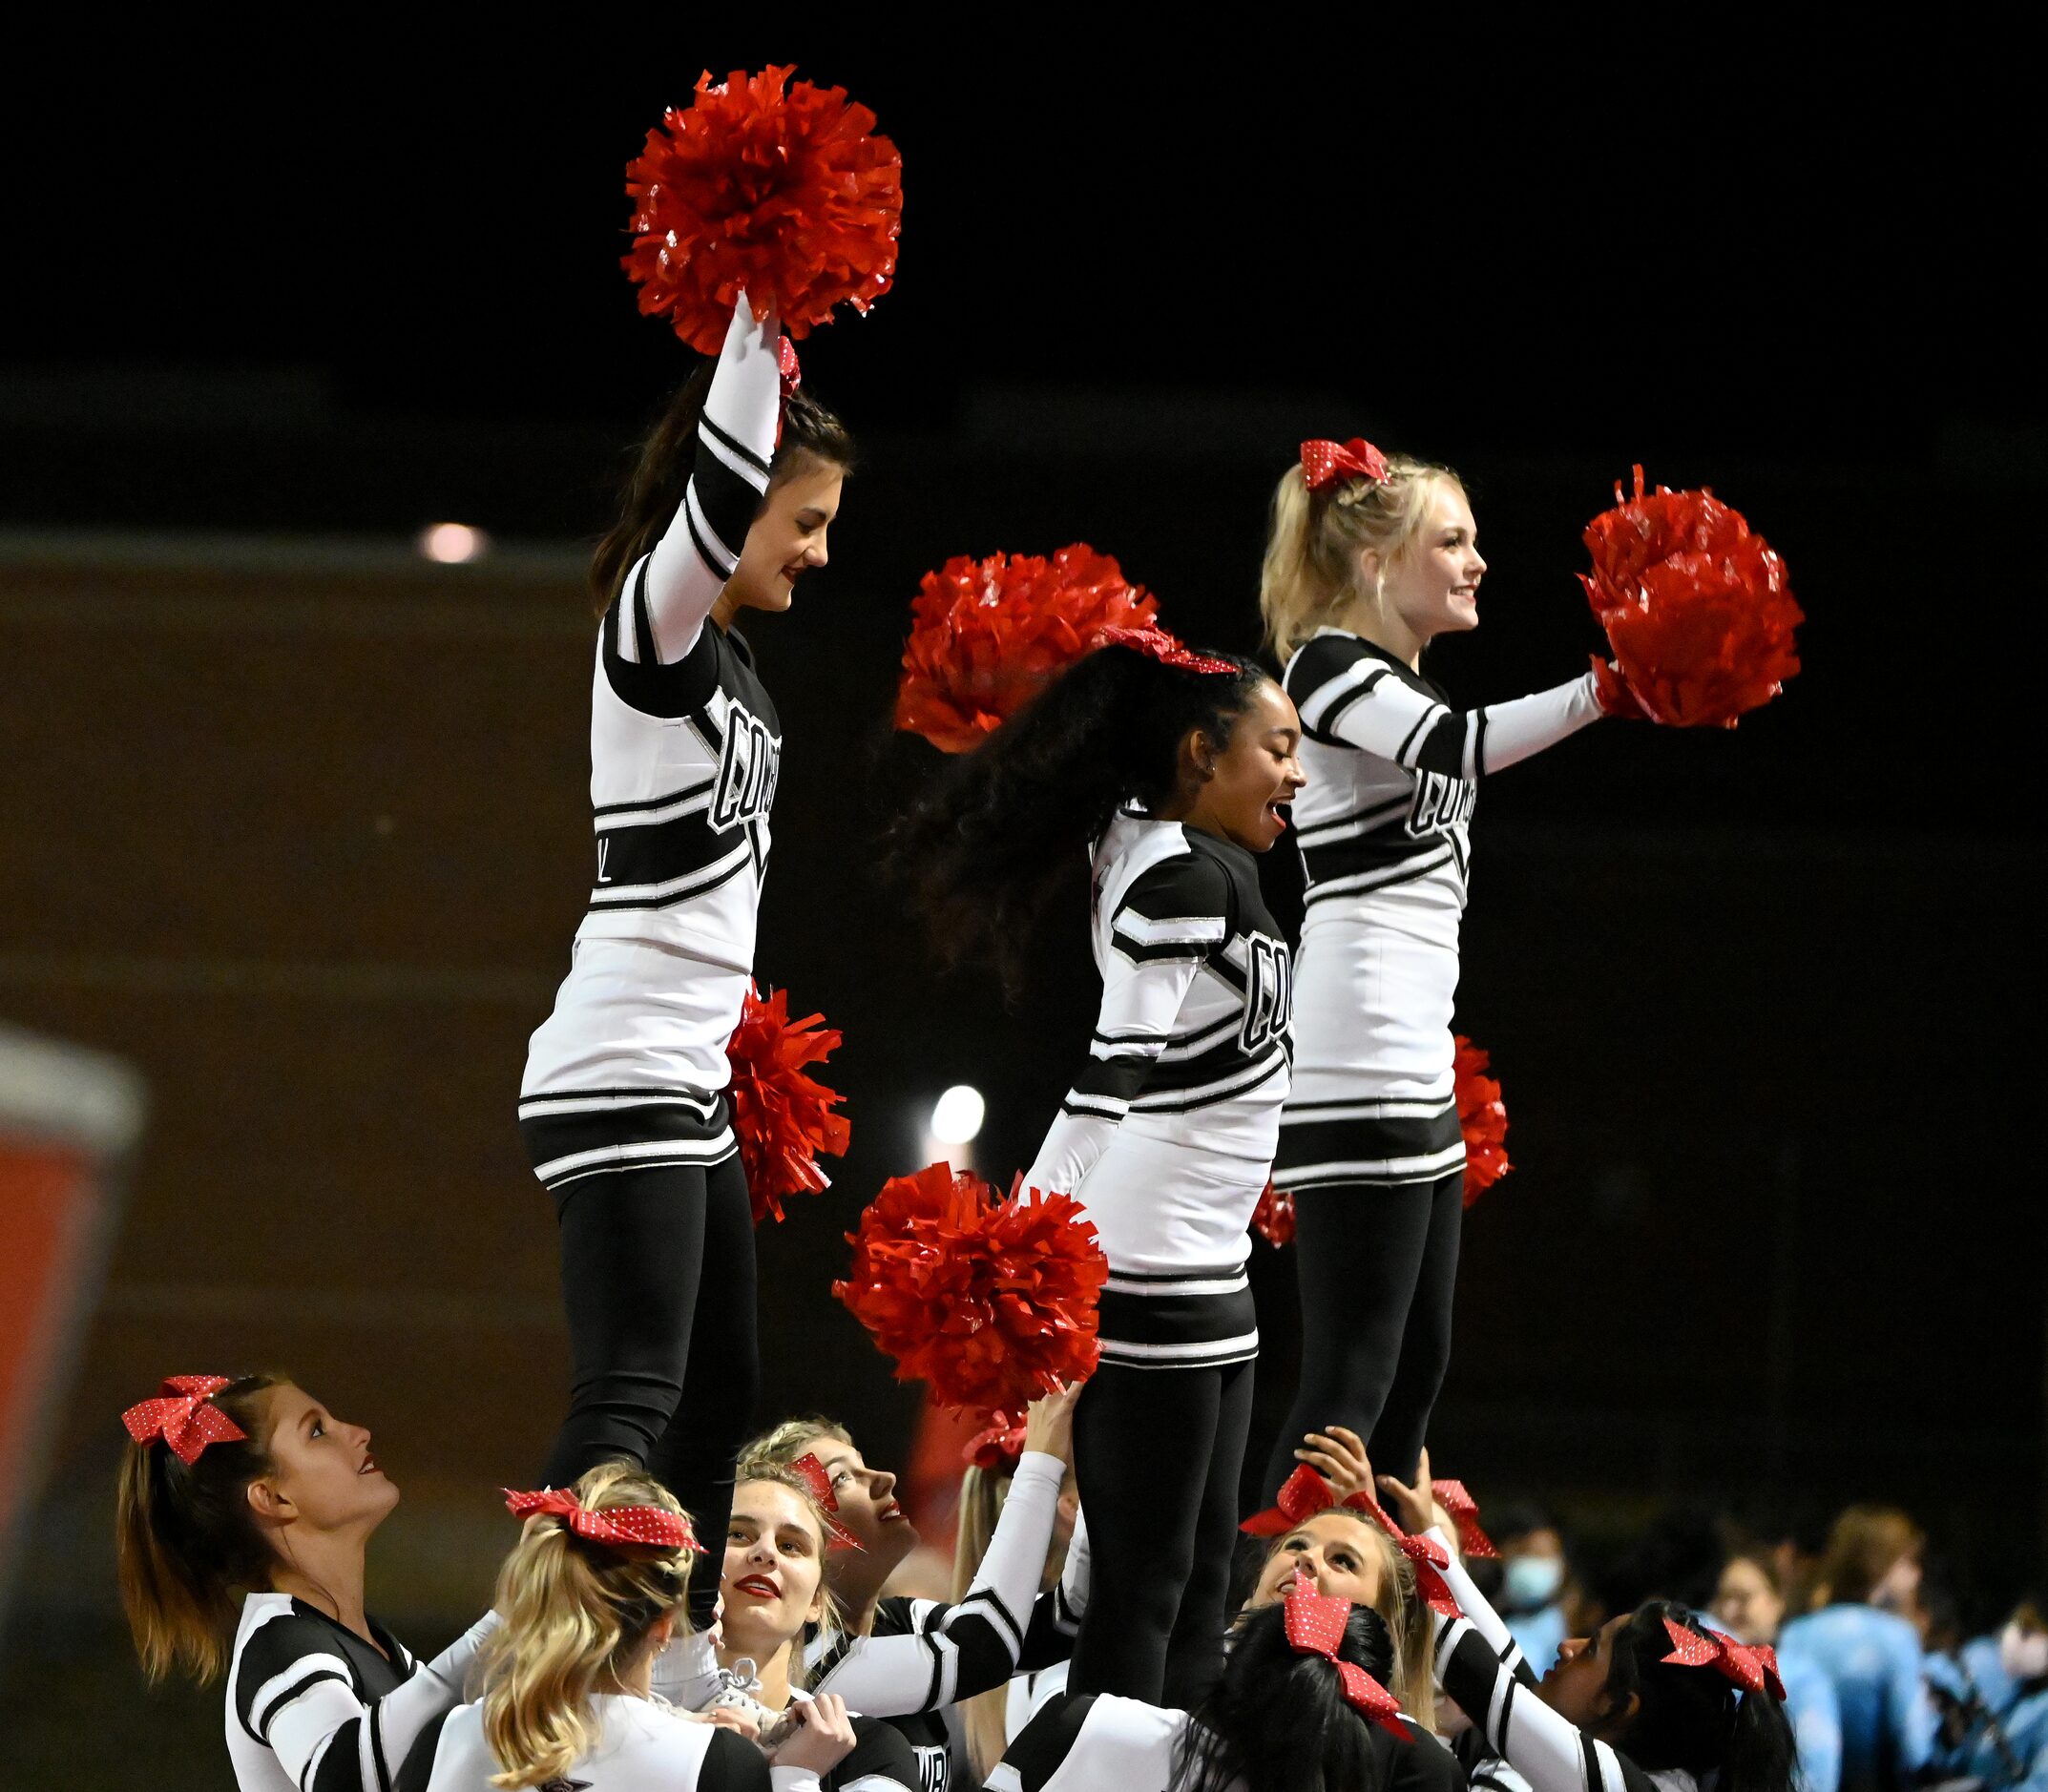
{"points": [[1167, 1135], [311, 1707], [685, 752], [1384, 829], [643, 1746]]}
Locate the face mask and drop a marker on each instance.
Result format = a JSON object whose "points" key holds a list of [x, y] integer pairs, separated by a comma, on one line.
{"points": [[2023, 1654], [1531, 1581]]}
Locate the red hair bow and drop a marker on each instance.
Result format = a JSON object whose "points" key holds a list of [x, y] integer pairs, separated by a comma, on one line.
{"points": [[650, 1527], [809, 1470], [1315, 1627], [1306, 1494], [1464, 1512], [1431, 1559], [1327, 462], [184, 1417], [1157, 644], [785, 360], [998, 1449], [1752, 1667]]}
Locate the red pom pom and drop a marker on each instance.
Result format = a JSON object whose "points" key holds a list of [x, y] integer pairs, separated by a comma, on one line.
{"points": [[1481, 1118], [790, 196], [993, 1302], [780, 1115], [1695, 608], [1273, 1218], [987, 634]]}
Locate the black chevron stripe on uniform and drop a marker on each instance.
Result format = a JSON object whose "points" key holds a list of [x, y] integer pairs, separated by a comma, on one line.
{"points": [[638, 857], [1387, 848]]}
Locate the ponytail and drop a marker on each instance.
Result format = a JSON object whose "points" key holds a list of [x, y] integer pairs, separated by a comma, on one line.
{"points": [[1694, 1718], [575, 1612], [1311, 572], [1278, 1720], [186, 1544], [653, 492], [983, 852]]}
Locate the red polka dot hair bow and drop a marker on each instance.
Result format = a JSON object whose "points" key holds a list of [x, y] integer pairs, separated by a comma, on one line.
{"points": [[786, 359], [1315, 1627], [998, 1449], [1464, 1512], [1326, 464], [1431, 1559], [809, 1470], [653, 1527], [1751, 1668], [1157, 644], [1305, 1494], [184, 1417]]}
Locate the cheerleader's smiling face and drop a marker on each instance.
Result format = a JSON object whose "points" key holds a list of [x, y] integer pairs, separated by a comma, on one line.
{"points": [[774, 1574], [324, 1476], [1432, 587], [787, 538], [867, 1509], [1334, 1552], [1241, 791]]}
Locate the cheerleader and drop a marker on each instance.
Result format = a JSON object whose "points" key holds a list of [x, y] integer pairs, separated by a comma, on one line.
{"points": [[1299, 1704], [1368, 560], [907, 1661], [1176, 768], [776, 1594], [592, 1594], [1652, 1701], [623, 1106], [242, 1517]]}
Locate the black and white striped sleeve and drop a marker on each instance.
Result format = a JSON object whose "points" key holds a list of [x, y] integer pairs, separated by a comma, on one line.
{"points": [[1549, 1751], [1349, 696], [952, 1652], [1475, 1606], [296, 1697], [735, 445], [1056, 1618], [1033, 1763], [1166, 924]]}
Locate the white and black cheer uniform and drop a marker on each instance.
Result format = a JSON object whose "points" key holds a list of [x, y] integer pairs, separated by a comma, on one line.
{"points": [[923, 1655], [1085, 1742], [622, 1106], [1167, 1138], [312, 1707], [1369, 1145]]}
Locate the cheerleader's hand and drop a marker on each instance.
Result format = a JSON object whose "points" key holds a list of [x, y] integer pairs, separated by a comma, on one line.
{"points": [[1049, 1424], [1413, 1507], [1339, 1456], [1611, 692], [824, 1738]]}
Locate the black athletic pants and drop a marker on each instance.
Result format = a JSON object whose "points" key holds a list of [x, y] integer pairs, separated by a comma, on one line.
{"points": [[658, 1277], [1378, 1266], [1157, 1453]]}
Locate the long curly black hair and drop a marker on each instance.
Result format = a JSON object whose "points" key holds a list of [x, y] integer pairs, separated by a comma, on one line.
{"points": [[983, 850], [1277, 1722]]}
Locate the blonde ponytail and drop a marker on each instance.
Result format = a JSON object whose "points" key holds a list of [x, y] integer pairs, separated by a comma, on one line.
{"points": [[576, 1612], [1311, 572]]}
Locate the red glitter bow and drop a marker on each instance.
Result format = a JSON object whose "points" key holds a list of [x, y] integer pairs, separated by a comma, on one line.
{"points": [[786, 360], [998, 1449], [184, 1417], [1328, 463], [651, 1526], [1315, 1627], [1464, 1512], [1431, 1559], [1305, 1494], [1157, 644], [809, 1470], [1752, 1667]]}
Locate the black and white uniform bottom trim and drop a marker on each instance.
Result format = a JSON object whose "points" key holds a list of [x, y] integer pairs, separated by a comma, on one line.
{"points": [[1179, 1318], [1391, 1142], [578, 1133]]}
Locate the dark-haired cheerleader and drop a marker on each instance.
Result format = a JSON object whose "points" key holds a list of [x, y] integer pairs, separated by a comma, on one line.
{"points": [[623, 1106], [1174, 768]]}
